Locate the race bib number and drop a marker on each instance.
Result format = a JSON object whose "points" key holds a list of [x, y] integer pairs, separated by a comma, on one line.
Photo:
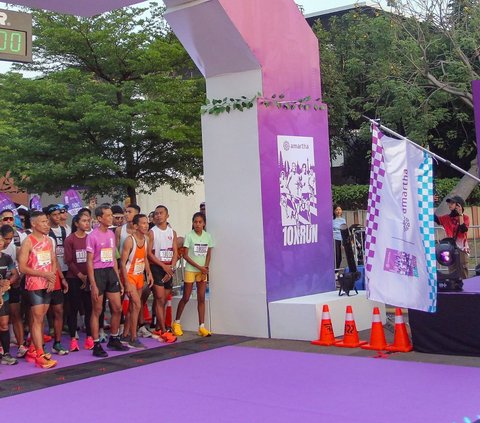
{"points": [[139, 267], [166, 255], [44, 258], [200, 249], [81, 256], [59, 250], [106, 255]]}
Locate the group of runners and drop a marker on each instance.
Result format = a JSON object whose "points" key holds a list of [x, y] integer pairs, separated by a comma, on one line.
{"points": [[52, 272]]}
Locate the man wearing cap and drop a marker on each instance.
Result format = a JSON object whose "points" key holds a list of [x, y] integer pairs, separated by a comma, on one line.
{"points": [[456, 225]]}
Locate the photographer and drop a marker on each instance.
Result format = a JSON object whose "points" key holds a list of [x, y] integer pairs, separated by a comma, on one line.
{"points": [[456, 226]]}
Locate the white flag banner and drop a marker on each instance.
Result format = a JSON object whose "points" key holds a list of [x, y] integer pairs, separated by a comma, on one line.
{"points": [[400, 265]]}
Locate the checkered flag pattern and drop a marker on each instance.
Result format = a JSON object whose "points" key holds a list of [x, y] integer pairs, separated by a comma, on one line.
{"points": [[427, 229], [377, 175]]}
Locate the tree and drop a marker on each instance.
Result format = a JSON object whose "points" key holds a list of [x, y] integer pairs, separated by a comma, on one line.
{"points": [[116, 110], [374, 64]]}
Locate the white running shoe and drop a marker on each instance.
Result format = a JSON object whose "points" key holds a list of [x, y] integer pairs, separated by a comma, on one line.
{"points": [[143, 332]]}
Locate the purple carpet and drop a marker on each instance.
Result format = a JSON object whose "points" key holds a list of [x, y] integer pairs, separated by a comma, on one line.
{"points": [[238, 384], [83, 356]]}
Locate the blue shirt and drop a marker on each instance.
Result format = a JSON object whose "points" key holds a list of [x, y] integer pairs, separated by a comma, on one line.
{"points": [[336, 227]]}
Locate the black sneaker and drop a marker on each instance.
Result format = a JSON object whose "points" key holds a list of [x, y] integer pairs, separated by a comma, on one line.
{"points": [[98, 351], [115, 344]]}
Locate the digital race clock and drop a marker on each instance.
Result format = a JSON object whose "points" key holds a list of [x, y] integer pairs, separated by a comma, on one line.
{"points": [[15, 36]]}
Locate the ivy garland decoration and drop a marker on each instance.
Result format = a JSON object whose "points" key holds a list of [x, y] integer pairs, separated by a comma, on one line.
{"points": [[227, 105]]}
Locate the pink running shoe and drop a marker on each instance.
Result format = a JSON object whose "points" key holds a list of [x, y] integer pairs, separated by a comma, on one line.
{"points": [[31, 356], [88, 343], [74, 345]]}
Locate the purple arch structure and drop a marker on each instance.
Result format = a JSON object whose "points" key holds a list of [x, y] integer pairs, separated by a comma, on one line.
{"points": [[267, 169]]}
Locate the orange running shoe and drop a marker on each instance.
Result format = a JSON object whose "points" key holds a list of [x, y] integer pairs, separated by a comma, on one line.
{"points": [[168, 337], [74, 345], [46, 338], [44, 362], [89, 344]]}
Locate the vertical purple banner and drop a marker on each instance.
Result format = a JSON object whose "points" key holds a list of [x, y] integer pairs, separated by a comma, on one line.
{"points": [[73, 201], [35, 202], [7, 203], [476, 110], [296, 202]]}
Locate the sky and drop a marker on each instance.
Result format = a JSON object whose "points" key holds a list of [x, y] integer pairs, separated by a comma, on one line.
{"points": [[309, 6]]}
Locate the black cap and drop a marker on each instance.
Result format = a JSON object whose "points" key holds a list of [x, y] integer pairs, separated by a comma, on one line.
{"points": [[456, 199], [116, 209]]}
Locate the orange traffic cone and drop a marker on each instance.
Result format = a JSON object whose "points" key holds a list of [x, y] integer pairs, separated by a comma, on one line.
{"points": [[168, 312], [401, 341], [350, 336], [146, 313], [326, 336], [377, 335]]}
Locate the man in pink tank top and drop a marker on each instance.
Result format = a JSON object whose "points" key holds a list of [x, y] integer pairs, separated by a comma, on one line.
{"points": [[36, 259]]}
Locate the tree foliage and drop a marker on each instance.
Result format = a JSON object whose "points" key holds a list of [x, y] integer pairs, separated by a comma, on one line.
{"points": [[116, 109], [411, 66]]}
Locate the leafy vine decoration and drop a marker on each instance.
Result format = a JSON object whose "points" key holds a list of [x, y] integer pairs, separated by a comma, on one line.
{"points": [[227, 105]]}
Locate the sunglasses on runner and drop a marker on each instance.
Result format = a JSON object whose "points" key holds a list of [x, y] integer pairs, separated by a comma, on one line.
{"points": [[7, 218]]}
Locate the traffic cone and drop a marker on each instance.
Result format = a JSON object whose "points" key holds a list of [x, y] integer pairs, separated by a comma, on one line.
{"points": [[146, 313], [350, 336], [377, 335], [168, 312], [326, 337], [401, 341]]}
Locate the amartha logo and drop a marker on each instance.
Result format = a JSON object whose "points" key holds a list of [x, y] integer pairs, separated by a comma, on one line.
{"points": [[286, 146], [406, 224]]}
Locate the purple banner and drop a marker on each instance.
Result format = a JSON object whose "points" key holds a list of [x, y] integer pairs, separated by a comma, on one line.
{"points": [[476, 110], [73, 201], [35, 202], [296, 202], [7, 203]]}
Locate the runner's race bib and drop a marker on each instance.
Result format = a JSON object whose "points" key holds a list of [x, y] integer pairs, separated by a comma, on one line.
{"points": [[139, 267], [166, 255], [106, 255], [43, 258], [200, 249], [59, 250], [81, 256]]}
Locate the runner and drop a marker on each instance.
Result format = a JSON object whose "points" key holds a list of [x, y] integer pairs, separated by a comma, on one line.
{"points": [[163, 256], [36, 260], [8, 276], [103, 277], [78, 286], [7, 218], [58, 233], [15, 292], [134, 264], [197, 253]]}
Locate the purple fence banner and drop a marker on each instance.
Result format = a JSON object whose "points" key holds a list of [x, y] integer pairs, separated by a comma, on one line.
{"points": [[35, 202], [7, 203], [476, 110], [73, 201]]}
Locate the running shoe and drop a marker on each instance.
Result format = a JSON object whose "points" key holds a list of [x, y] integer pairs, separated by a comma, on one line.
{"points": [[47, 338], [177, 329], [115, 344], [136, 344], [44, 362], [31, 356], [22, 350], [102, 336], [74, 345], [8, 360], [59, 349], [168, 337], [125, 339], [88, 343], [143, 332], [1, 350], [203, 331], [157, 332], [98, 351]]}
